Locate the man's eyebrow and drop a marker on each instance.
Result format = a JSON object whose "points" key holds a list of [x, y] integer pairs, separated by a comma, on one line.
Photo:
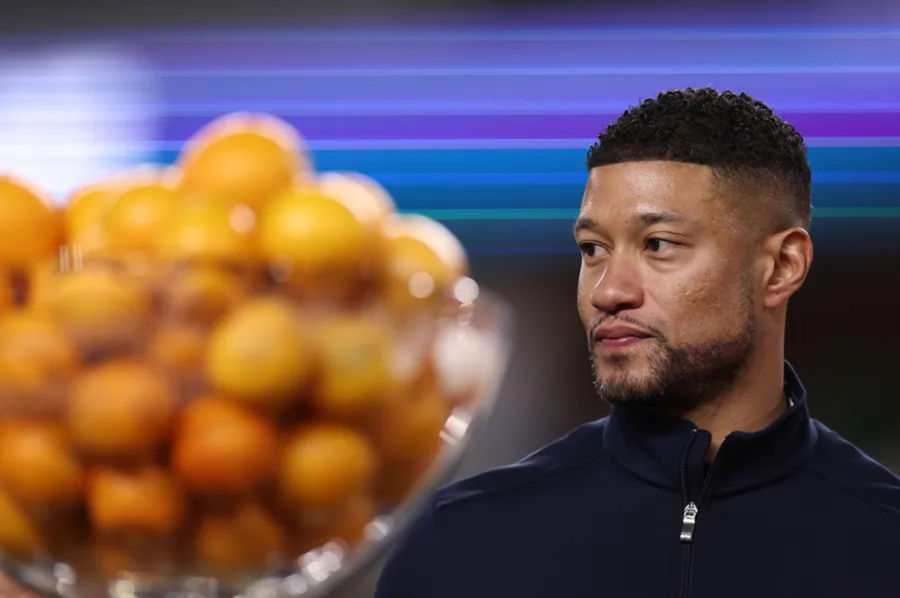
{"points": [[645, 218], [584, 222], [648, 218]]}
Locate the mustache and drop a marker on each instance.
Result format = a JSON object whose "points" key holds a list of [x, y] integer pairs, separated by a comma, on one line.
{"points": [[624, 319]]}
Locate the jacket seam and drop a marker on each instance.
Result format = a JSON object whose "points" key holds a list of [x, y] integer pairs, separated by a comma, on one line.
{"points": [[643, 479], [856, 494], [438, 505]]}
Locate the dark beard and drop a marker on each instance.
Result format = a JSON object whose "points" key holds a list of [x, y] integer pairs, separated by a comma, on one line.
{"points": [[685, 377]]}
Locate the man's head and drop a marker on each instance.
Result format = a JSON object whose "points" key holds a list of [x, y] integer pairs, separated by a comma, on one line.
{"points": [[693, 236]]}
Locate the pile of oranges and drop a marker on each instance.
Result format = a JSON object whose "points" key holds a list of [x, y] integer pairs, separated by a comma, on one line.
{"points": [[216, 366]]}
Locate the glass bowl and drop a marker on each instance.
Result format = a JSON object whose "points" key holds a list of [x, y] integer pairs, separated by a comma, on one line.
{"points": [[74, 529]]}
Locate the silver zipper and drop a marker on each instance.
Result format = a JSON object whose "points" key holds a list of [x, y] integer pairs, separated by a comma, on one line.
{"points": [[688, 522]]}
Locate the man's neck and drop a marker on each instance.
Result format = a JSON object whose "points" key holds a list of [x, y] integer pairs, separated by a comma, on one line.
{"points": [[752, 404]]}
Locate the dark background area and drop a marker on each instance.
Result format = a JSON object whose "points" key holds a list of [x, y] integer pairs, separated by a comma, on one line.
{"points": [[92, 15]]}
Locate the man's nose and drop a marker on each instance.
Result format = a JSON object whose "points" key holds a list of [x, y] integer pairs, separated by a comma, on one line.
{"points": [[619, 287]]}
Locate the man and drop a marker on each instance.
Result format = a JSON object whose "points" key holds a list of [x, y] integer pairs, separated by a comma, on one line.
{"points": [[708, 478]]}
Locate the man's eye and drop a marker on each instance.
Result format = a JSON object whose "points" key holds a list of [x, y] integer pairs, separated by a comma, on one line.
{"points": [[657, 245], [588, 249]]}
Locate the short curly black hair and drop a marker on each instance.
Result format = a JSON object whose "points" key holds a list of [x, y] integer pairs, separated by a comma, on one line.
{"points": [[739, 137]]}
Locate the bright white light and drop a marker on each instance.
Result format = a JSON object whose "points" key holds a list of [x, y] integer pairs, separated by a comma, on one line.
{"points": [[465, 290], [66, 114], [421, 285]]}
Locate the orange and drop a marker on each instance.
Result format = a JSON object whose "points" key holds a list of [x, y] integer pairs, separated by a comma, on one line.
{"points": [[87, 206], [121, 408], [147, 499], [411, 428], [29, 226], [223, 447], [364, 196], [140, 211], [242, 158], [248, 537], [102, 306], [203, 293], [37, 464], [260, 354], [42, 279], [178, 348], [18, 533], [208, 231], [354, 359], [7, 291], [35, 359], [326, 247], [346, 522], [92, 241], [324, 464], [424, 259], [408, 440]]}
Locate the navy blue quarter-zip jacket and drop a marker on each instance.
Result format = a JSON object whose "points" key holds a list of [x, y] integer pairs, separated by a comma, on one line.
{"points": [[626, 506]]}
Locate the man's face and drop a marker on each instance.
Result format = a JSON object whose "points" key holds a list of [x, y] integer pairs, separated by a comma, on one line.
{"points": [[665, 291]]}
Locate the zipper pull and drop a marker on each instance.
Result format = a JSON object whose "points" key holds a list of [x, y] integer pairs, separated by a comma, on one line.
{"points": [[688, 522]]}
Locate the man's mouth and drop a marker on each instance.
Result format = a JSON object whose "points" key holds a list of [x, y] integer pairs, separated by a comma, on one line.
{"points": [[618, 336]]}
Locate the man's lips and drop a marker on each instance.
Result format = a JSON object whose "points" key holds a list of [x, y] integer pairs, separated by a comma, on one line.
{"points": [[618, 336]]}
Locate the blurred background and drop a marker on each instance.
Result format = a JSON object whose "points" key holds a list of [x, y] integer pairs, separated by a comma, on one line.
{"points": [[479, 115]]}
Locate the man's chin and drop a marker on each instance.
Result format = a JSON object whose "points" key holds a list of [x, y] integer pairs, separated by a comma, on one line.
{"points": [[628, 384], [620, 391], [625, 365]]}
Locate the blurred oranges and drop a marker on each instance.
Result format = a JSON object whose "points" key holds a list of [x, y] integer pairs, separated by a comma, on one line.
{"points": [[35, 358], [141, 209], [408, 436], [18, 533], [224, 448], [246, 537], [121, 408], [204, 292], [208, 231], [366, 198], [212, 365], [260, 354], [242, 158], [324, 465], [347, 521], [37, 464], [29, 227], [424, 259], [42, 278], [326, 248], [102, 306], [146, 499], [87, 206], [354, 360], [178, 348]]}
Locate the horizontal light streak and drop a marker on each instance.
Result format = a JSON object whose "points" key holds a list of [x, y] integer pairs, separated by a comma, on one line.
{"points": [[451, 214], [431, 33]]}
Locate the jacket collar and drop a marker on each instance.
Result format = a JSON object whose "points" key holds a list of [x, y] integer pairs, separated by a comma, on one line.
{"points": [[670, 452]]}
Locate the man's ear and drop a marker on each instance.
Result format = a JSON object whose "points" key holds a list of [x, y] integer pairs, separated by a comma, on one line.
{"points": [[789, 253]]}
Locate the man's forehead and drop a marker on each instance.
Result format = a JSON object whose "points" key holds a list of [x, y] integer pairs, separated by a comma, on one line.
{"points": [[651, 178], [653, 191]]}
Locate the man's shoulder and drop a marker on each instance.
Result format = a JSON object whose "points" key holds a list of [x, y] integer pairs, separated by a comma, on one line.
{"points": [[843, 465], [581, 446]]}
